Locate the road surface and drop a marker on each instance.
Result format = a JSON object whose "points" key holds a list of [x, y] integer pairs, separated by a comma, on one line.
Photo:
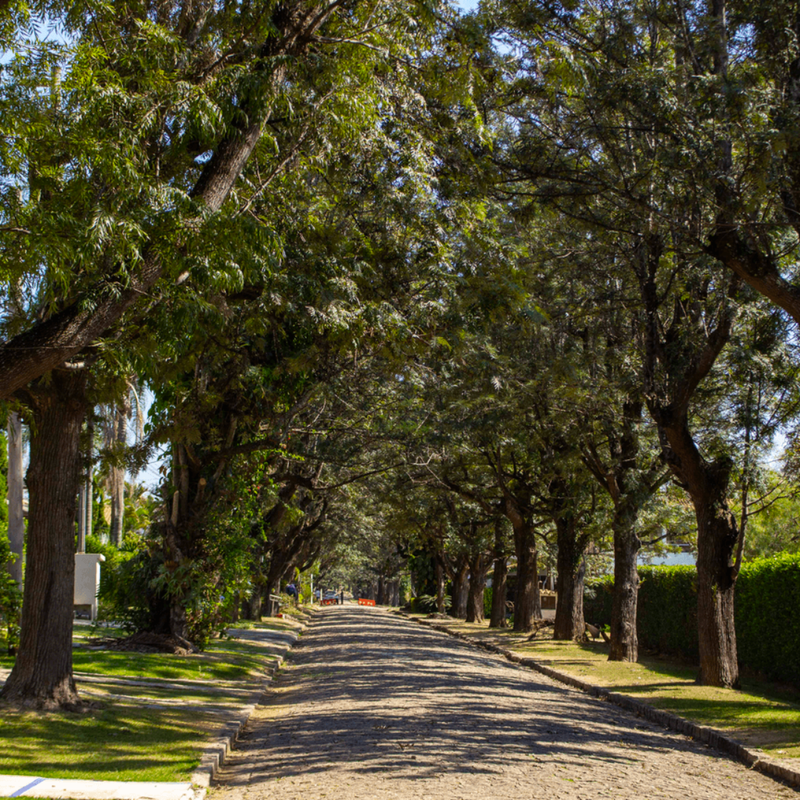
{"points": [[376, 706]]}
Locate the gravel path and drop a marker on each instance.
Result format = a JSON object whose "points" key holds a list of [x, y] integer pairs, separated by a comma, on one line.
{"points": [[375, 706]]}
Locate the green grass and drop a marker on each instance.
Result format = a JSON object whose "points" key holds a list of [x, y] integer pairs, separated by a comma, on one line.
{"points": [[122, 736], [762, 714], [114, 742]]}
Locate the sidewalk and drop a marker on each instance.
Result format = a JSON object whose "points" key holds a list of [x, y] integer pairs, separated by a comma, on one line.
{"points": [[214, 753]]}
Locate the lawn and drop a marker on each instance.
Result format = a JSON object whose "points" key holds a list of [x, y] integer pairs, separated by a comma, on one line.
{"points": [[149, 713], [762, 714]]}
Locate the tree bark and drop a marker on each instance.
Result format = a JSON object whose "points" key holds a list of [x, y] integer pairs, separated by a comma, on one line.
{"points": [[499, 579], [716, 580], [527, 600], [460, 589], [569, 622], [381, 599], [477, 585], [16, 522], [42, 674], [117, 478], [499, 593], [441, 583], [624, 640]]}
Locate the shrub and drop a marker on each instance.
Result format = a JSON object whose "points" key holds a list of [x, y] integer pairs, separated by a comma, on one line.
{"points": [[487, 602], [667, 613], [767, 621], [597, 597], [10, 601], [426, 603]]}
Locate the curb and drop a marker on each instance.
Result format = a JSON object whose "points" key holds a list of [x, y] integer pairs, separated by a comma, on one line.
{"points": [[215, 753], [710, 736]]}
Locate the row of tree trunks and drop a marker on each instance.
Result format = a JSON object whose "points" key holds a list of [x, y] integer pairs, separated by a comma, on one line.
{"points": [[42, 674]]}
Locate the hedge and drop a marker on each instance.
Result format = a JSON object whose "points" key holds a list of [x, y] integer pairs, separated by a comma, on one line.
{"points": [[767, 623], [767, 613]]}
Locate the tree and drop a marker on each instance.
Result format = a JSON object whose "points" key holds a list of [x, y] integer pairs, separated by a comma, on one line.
{"points": [[151, 119]]}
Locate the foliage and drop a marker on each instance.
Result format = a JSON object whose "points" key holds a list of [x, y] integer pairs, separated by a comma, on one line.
{"points": [[10, 601], [426, 603], [666, 619], [767, 619], [767, 622]]}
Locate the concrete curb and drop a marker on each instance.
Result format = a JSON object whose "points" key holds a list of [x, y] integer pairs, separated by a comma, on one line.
{"points": [[710, 736], [215, 753]]}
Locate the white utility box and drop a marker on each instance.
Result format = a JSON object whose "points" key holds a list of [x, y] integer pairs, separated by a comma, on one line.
{"points": [[87, 580]]}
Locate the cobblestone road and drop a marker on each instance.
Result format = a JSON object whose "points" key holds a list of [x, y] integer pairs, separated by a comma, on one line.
{"points": [[375, 706]]}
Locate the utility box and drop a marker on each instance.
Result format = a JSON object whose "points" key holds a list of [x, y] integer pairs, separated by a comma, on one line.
{"points": [[87, 581]]}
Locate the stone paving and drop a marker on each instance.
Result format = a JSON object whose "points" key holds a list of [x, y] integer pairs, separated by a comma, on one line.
{"points": [[375, 706]]}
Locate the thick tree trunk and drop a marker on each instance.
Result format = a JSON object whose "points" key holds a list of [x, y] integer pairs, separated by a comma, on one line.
{"points": [[717, 539], [569, 622], [624, 641], [499, 587], [477, 585], [527, 600], [16, 523], [381, 599], [252, 607], [460, 589], [716, 581], [42, 674]]}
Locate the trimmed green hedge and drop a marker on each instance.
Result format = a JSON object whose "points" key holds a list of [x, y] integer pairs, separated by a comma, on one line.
{"points": [[767, 613], [767, 616]]}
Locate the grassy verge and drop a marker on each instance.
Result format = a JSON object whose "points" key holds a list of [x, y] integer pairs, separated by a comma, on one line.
{"points": [[762, 714], [151, 730]]}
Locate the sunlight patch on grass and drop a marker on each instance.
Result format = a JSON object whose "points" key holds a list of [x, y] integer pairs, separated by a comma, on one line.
{"points": [[114, 742]]}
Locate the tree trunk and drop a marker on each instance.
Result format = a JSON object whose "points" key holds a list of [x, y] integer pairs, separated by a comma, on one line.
{"points": [[477, 585], [527, 600], [716, 581], [499, 580], [717, 539], [499, 587], [16, 523], [569, 622], [624, 641], [42, 674], [441, 584], [460, 589], [381, 599], [117, 478]]}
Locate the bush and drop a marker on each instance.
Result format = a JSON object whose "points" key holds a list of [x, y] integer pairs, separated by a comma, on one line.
{"points": [[597, 597], [487, 602], [426, 604], [10, 601], [667, 614], [767, 621]]}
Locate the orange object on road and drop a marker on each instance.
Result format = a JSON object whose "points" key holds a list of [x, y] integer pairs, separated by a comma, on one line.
{"points": [[364, 602]]}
